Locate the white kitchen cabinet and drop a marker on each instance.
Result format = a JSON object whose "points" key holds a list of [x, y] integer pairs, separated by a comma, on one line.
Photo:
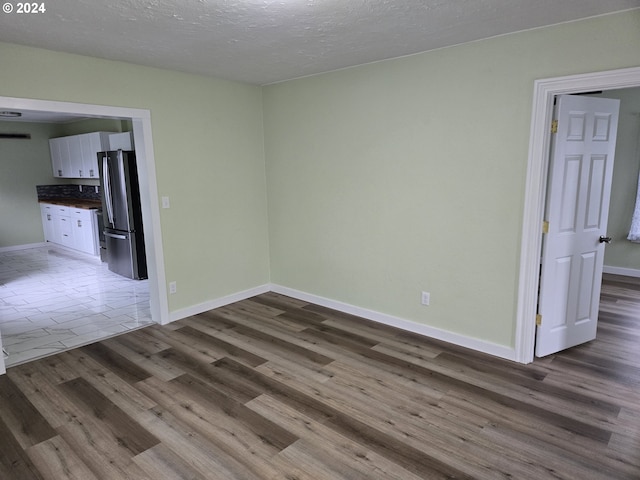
{"points": [[65, 230], [91, 144], [47, 222], [121, 141], [76, 156], [85, 231], [60, 159], [71, 227]]}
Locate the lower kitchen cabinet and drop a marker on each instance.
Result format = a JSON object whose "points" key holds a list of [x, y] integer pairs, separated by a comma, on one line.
{"points": [[71, 227]]}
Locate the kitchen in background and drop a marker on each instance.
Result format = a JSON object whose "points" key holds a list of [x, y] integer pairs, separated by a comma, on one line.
{"points": [[56, 289]]}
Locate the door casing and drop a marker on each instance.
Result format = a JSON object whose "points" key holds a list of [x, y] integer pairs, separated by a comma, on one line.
{"points": [[535, 189]]}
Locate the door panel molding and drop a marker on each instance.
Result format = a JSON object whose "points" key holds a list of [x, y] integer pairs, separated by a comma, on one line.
{"points": [[535, 189]]}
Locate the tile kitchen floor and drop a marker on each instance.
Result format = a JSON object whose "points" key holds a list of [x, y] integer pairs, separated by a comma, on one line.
{"points": [[52, 299]]}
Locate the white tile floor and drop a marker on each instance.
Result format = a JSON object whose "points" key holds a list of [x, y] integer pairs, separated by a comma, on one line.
{"points": [[52, 299]]}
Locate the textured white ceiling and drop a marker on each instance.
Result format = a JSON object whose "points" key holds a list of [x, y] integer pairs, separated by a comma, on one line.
{"points": [[266, 41]]}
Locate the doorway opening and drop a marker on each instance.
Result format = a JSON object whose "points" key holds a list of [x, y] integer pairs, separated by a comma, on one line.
{"points": [[535, 191], [140, 121]]}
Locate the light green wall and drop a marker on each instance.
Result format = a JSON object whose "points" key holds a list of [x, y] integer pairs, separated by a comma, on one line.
{"points": [[408, 175], [23, 165], [208, 145], [622, 253]]}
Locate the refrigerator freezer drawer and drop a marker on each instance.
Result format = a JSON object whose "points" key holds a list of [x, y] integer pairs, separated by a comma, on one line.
{"points": [[122, 256]]}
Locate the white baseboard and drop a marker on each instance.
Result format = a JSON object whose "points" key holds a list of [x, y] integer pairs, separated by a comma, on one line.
{"points": [[627, 272], [217, 303], [436, 333], [26, 246], [483, 346]]}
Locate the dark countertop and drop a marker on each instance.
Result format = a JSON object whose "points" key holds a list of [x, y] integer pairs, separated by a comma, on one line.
{"points": [[73, 202]]}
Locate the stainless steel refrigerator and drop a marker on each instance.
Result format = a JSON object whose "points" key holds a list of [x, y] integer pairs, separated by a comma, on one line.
{"points": [[122, 213]]}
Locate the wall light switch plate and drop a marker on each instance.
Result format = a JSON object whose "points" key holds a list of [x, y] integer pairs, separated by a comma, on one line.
{"points": [[165, 202], [426, 298]]}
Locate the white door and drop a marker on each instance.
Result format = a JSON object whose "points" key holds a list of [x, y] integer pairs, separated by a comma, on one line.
{"points": [[3, 369], [578, 191]]}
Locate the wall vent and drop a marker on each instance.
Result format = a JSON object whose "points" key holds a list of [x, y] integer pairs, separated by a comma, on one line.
{"points": [[23, 136]]}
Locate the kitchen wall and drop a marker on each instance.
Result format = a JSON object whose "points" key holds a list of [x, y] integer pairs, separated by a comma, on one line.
{"points": [[408, 175], [208, 146], [622, 253], [23, 165]]}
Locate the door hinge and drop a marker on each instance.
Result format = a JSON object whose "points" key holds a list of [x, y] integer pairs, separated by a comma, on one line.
{"points": [[545, 226], [554, 126], [538, 319]]}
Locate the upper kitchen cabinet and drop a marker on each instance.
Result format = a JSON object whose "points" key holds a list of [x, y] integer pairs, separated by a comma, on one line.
{"points": [[60, 160], [121, 141], [75, 156]]}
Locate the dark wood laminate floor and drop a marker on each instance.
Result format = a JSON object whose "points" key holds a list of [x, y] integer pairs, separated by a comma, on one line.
{"points": [[275, 388]]}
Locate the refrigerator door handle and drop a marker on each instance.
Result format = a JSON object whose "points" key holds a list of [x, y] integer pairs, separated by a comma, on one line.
{"points": [[115, 235], [107, 189]]}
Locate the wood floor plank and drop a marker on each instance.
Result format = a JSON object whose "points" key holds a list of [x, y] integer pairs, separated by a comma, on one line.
{"points": [[57, 460], [410, 458], [144, 358], [241, 390], [14, 461], [290, 349], [179, 342], [234, 440], [107, 382], [18, 413], [200, 454], [54, 368], [129, 434], [160, 462], [122, 366], [337, 446], [519, 425], [216, 401], [43, 394], [225, 349], [94, 444], [279, 301]]}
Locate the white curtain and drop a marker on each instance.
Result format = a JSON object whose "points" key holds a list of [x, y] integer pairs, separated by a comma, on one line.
{"points": [[634, 231]]}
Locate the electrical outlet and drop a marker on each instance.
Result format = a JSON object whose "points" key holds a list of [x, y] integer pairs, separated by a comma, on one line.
{"points": [[173, 287], [426, 298]]}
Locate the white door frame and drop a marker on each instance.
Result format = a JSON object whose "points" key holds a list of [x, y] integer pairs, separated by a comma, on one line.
{"points": [[141, 120], [535, 190]]}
